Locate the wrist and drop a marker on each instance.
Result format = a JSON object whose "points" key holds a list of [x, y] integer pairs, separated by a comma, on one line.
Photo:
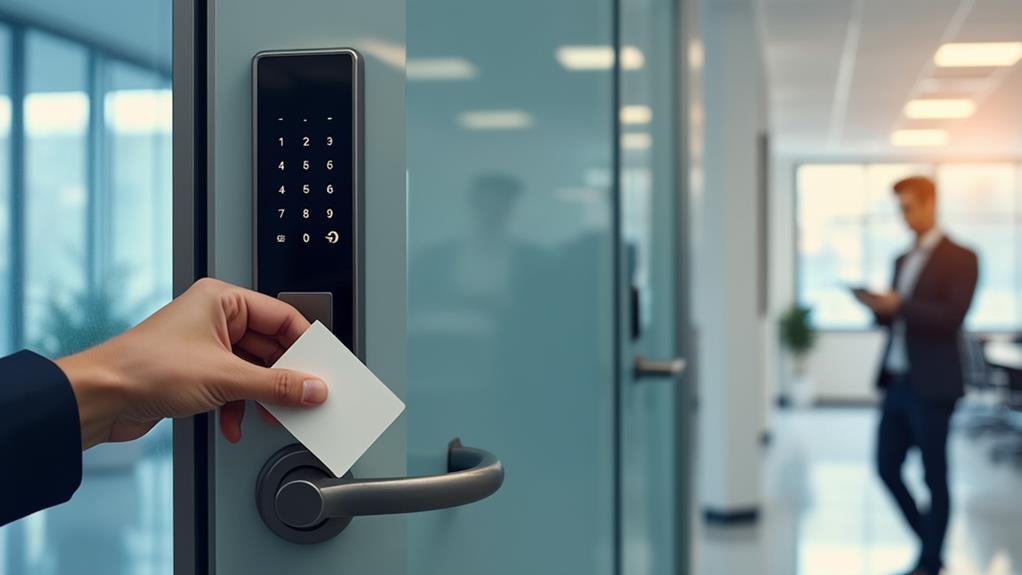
{"points": [[98, 390]]}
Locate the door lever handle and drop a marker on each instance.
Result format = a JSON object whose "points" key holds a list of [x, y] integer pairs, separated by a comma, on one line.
{"points": [[647, 368], [300, 500]]}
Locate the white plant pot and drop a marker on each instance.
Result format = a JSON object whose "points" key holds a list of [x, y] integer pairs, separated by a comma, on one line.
{"points": [[802, 390]]}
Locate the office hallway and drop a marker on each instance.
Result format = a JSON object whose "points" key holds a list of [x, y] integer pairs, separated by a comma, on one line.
{"points": [[827, 513]]}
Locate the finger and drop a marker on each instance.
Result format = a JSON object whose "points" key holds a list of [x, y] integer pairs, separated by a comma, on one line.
{"points": [[264, 347], [231, 416], [272, 386], [267, 416], [270, 316]]}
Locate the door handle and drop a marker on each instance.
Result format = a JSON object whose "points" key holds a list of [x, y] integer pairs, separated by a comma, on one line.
{"points": [[300, 500], [644, 368]]}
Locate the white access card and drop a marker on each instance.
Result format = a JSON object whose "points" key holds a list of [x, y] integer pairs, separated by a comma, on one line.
{"points": [[358, 409]]}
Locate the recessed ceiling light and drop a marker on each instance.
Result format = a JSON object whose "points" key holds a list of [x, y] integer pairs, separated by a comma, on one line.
{"points": [[636, 115], [440, 69], [599, 57], [495, 120], [939, 108], [636, 141], [919, 138], [985, 54]]}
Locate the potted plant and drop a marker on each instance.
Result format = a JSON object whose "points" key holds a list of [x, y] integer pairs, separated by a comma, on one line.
{"points": [[798, 337]]}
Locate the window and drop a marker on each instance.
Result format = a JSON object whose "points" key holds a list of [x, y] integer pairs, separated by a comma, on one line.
{"points": [[850, 232], [85, 252]]}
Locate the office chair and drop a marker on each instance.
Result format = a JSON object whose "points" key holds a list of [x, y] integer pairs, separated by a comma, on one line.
{"points": [[1011, 448], [983, 410]]}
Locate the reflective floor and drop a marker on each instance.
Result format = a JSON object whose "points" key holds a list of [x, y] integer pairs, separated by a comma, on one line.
{"points": [[118, 523], [826, 513]]}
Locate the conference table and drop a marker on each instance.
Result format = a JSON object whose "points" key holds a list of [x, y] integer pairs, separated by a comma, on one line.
{"points": [[1004, 354]]}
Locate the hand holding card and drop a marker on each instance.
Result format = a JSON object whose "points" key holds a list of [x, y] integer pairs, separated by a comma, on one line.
{"points": [[358, 409]]}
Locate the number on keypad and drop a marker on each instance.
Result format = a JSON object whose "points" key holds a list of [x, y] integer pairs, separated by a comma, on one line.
{"points": [[317, 165]]}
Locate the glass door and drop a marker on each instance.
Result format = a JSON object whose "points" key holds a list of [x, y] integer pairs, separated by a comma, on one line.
{"points": [[511, 279], [653, 438]]}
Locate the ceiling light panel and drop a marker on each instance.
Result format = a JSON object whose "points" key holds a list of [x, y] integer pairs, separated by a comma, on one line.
{"points": [[636, 141], [439, 69], [978, 54], [495, 120], [634, 115], [939, 108], [578, 58]]}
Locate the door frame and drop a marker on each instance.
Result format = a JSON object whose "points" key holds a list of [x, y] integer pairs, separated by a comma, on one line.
{"points": [[192, 453]]}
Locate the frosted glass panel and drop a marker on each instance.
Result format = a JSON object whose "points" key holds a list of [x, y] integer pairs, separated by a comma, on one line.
{"points": [[510, 280]]}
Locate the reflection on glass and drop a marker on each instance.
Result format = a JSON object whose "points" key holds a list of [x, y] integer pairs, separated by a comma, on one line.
{"points": [[138, 118], [850, 232], [95, 240], [510, 284], [648, 208], [56, 174]]}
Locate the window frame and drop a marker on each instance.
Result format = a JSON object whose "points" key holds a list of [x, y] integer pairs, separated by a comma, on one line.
{"points": [[98, 55], [934, 162]]}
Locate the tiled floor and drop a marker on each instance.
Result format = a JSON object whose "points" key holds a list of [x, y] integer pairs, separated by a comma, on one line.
{"points": [[826, 513]]}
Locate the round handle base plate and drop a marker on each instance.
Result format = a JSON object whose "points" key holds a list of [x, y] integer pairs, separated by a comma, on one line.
{"points": [[293, 462]]}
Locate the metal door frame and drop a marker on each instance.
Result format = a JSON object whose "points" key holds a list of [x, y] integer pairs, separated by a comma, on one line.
{"points": [[192, 202]]}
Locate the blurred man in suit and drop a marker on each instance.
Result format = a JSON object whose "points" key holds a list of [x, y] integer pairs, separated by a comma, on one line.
{"points": [[921, 371]]}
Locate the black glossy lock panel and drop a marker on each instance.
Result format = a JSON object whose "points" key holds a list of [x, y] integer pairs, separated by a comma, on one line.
{"points": [[306, 177]]}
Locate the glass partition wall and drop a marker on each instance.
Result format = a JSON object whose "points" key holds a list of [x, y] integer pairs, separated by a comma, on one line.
{"points": [[85, 224]]}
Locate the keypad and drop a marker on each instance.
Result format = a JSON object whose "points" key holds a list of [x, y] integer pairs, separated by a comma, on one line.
{"points": [[306, 174]]}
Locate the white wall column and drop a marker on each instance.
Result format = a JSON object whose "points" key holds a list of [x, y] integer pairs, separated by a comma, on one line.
{"points": [[726, 273]]}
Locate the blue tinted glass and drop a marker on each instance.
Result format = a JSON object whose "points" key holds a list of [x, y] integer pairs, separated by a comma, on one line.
{"points": [[510, 251], [95, 237]]}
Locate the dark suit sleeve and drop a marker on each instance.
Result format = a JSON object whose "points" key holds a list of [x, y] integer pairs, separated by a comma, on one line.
{"points": [[40, 436], [945, 316]]}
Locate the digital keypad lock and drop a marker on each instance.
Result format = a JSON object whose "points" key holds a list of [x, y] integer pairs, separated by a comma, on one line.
{"points": [[307, 155]]}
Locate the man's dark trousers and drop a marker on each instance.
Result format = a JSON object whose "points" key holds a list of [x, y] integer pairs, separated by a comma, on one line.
{"points": [[910, 421]]}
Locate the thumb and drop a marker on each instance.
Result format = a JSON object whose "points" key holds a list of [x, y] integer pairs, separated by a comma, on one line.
{"points": [[276, 386]]}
